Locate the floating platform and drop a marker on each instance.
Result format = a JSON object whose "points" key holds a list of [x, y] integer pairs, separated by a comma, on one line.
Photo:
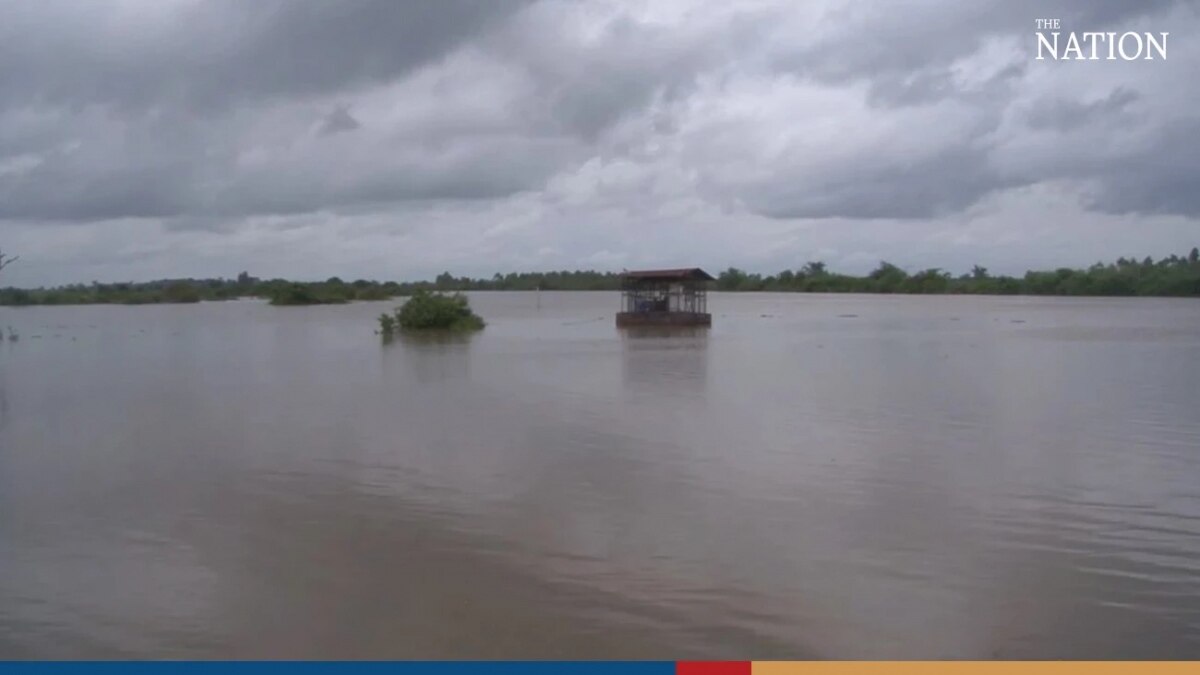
{"points": [[677, 297]]}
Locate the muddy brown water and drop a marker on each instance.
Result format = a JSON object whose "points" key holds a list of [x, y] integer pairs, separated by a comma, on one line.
{"points": [[814, 476]]}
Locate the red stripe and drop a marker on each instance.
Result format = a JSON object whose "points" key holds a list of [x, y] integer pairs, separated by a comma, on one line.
{"points": [[712, 668]]}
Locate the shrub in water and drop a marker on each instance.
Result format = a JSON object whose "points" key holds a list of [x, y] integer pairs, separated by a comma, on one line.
{"points": [[387, 324], [434, 311]]}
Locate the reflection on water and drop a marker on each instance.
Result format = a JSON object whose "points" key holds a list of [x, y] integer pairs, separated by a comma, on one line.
{"points": [[664, 358], [934, 477], [432, 356], [682, 334], [430, 340]]}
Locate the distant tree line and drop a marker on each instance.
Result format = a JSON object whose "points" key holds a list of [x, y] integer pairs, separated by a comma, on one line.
{"points": [[285, 292], [1170, 276], [277, 291]]}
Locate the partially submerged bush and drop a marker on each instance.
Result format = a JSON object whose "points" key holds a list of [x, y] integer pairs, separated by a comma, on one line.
{"points": [[387, 323], [426, 311]]}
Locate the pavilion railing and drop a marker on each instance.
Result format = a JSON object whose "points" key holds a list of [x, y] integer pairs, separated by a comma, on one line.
{"points": [[664, 297]]}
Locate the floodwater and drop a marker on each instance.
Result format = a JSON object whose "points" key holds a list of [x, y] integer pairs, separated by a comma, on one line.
{"points": [[815, 476]]}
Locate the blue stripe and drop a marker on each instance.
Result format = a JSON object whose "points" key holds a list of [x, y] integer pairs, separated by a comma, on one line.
{"points": [[331, 667]]}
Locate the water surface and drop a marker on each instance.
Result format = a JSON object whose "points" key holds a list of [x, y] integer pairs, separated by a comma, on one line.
{"points": [[815, 476]]}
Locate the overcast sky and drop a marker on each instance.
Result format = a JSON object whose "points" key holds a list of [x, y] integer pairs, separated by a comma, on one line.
{"points": [[142, 139]]}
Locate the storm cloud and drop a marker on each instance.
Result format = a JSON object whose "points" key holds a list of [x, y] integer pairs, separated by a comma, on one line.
{"points": [[398, 139]]}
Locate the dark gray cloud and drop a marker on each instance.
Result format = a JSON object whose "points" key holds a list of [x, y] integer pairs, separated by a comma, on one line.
{"points": [[913, 55], [539, 131], [888, 41], [1066, 114], [946, 182], [223, 52], [1162, 177], [337, 121]]}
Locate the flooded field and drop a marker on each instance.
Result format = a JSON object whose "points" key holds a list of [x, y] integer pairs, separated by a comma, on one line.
{"points": [[814, 476]]}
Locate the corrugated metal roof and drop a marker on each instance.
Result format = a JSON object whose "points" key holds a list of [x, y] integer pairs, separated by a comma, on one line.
{"points": [[694, 273]]}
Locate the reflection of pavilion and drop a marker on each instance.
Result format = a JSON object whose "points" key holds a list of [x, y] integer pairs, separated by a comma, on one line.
{"points": [[665, 357]]}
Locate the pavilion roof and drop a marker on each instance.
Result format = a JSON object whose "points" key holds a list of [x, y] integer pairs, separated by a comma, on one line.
{"points": [[682, 274]]}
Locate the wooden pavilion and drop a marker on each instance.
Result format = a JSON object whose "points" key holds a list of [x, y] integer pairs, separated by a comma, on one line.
{"points": [[665, 298]]}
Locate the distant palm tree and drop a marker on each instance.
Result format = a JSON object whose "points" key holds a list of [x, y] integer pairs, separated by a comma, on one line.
{"points": [[813, 268]]}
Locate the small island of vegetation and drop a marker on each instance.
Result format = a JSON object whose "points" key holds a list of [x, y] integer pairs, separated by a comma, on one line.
{"points": [[426, 311]]}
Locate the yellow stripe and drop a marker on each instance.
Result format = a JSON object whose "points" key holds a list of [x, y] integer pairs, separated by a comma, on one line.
{"points": [[974, 667]]}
